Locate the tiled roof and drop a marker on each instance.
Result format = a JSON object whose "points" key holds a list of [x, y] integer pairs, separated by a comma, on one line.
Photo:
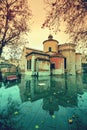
{"points": [[57, 55], [38, 52]]}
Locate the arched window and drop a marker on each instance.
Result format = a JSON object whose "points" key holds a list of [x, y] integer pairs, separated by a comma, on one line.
{"points": [[29, 64], [50, 49]]}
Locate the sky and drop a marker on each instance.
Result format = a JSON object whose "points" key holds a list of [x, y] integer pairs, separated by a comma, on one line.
{"points": [[38, 35]]}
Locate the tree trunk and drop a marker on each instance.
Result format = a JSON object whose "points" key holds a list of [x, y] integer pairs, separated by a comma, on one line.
{"points": [[0, 67], [0, 51]]}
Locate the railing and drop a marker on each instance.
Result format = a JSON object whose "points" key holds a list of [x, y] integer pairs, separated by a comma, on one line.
{"points": [[5, 65]]}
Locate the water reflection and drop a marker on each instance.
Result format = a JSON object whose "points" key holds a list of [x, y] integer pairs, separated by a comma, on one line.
{"points": [[32, 88], [57, 90], [48, 103]]}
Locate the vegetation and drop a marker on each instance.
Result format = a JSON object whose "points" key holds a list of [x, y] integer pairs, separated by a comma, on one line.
{"points": [[72, 14], [14, 21]]}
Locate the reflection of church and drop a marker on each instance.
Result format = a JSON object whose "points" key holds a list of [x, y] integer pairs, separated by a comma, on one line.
{"points": [[53, 60], [33, 88], [53, 91]]}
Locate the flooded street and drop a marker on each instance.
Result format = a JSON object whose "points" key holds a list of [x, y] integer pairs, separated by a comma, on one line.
{"points": [[44, 103]]}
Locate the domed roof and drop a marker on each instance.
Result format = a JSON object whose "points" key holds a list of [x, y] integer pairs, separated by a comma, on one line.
{"points": [[50, 37]]}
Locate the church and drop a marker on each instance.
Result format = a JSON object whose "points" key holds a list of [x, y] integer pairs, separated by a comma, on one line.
{"points": [[55, 59]]}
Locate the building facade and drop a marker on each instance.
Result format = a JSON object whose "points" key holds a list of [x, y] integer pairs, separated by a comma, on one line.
{"points": [[55, 59]]}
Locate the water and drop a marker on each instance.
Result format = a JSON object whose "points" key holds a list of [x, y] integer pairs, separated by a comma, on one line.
{"points": [[44, 103]]}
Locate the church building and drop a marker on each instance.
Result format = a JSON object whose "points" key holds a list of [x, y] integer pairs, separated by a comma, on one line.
{"points": [[55, 59]]}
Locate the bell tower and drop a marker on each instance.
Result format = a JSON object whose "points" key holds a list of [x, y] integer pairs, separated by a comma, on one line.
{"points": [[68, 51], [50, 45]]}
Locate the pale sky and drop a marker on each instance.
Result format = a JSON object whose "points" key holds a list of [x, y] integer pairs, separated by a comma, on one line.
{"points": [[38, 35]]}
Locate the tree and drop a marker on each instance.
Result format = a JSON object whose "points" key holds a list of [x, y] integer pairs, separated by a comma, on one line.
{"points": [[13, 51], [71, 13], [14, 20]]}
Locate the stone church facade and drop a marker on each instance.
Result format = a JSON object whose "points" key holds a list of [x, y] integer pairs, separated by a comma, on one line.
{"points": [[55, 59]]}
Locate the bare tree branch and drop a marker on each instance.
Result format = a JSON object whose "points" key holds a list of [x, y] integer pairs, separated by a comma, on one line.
{"points": [[15, 16], [72, 13]]}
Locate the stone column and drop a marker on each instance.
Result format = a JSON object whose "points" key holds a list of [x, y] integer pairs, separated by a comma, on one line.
{"points": [[32, 64], [78, 63]]}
